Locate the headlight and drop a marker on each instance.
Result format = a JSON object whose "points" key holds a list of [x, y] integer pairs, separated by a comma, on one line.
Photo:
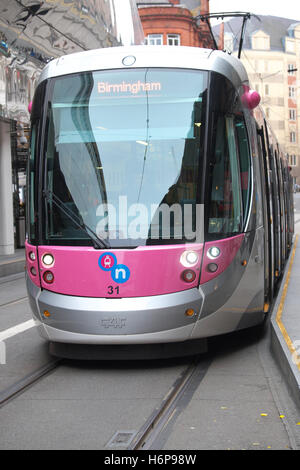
{"points": [[47, 259], [32, 256], [189, 258], [213, 252]]}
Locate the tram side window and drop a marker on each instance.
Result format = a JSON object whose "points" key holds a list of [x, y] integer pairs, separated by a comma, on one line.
{"points": [[244, 160], [30, 194], [225, 208], [58, 224], [32, 174]]}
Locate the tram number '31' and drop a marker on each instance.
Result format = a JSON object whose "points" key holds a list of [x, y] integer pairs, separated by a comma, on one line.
{"points": [[113, 290]]}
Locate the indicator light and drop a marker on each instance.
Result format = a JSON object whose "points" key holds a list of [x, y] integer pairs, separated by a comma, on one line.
{"points": [[266, 307], [213, 252], [47, 259], [47, 314], [189, 258], [188, 275], [33, 271], [48, 277], [190, 312], [32, 256]]}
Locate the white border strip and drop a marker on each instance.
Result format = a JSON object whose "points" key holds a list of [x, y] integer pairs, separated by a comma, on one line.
{"points": [[15, 330]]}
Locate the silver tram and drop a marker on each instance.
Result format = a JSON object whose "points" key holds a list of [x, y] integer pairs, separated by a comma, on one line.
{"points": [[160, 205]]}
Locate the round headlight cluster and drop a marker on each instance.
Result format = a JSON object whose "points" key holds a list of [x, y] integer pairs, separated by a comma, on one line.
{"points": [[48, 262], [213, 253]]}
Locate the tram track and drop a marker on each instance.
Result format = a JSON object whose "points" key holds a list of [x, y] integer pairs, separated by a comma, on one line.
{"points": [[27, 381], [13, 302], [150, 434]]}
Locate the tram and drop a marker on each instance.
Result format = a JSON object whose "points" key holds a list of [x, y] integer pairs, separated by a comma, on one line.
{"points": [[160, 205]]}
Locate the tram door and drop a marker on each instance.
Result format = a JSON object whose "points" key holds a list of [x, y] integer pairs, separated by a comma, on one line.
{"points": [[276, 211], [268, 216], [282, 208]]}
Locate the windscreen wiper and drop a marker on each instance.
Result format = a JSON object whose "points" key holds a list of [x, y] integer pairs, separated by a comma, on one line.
{"points": [[98, 243]]}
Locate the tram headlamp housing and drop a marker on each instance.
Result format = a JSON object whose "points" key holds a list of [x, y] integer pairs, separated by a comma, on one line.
{"points": [[189, 258], [213, 252], [48, 259], [212, 267], [32, 256], [48, 277], [188, 275]]}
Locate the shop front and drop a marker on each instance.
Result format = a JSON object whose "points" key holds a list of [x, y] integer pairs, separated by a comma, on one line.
{"points": [[32, 34]]}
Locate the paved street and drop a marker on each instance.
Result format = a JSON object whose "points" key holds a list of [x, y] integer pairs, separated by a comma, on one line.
{"points": [[241, 402]]}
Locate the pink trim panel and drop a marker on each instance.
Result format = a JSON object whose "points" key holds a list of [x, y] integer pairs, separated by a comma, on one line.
{"points": [[228, 249], [144, 271]]}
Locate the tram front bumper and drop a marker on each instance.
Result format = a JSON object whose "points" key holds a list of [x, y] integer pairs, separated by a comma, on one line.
{"points": [[83, 320]]}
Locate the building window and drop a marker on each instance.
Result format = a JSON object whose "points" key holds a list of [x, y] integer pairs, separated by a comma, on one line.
{"points": [[293, 160], [267, 90], [290, 45], [268, 113], [154, 40], [228, 42], [293, 137], [292, 92], [261, 41], [292, 114], [292, 69], [173, 40]]}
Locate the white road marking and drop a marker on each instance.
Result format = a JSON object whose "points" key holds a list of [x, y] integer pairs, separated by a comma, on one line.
{"points": [[15, 330]]}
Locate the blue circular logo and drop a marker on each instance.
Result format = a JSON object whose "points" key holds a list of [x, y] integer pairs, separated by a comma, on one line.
{"points": [[107, 261], [120, 273]]}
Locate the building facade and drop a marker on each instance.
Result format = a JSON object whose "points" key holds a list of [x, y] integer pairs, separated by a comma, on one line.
{"points": [[31, 34], [172, 23], [271, 55]]}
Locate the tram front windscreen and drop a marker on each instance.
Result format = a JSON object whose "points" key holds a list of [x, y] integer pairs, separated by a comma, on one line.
{"points": [[123, 156]]}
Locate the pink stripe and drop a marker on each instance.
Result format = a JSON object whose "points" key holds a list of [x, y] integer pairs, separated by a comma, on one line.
{"points": [[144, 271], [153, 271]]}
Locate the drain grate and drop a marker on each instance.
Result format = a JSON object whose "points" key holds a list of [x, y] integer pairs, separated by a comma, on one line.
{"points": [[121, 439]]}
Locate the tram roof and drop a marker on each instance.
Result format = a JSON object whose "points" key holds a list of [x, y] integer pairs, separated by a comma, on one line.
{"points": [[148, 56]]}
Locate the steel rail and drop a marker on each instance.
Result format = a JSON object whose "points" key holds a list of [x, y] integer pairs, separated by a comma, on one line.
{"points": [[161, 416], [16, 301], [23, 384]]}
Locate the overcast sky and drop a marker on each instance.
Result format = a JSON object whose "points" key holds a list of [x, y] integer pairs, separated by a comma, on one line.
{"points": [[285, 9]]}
